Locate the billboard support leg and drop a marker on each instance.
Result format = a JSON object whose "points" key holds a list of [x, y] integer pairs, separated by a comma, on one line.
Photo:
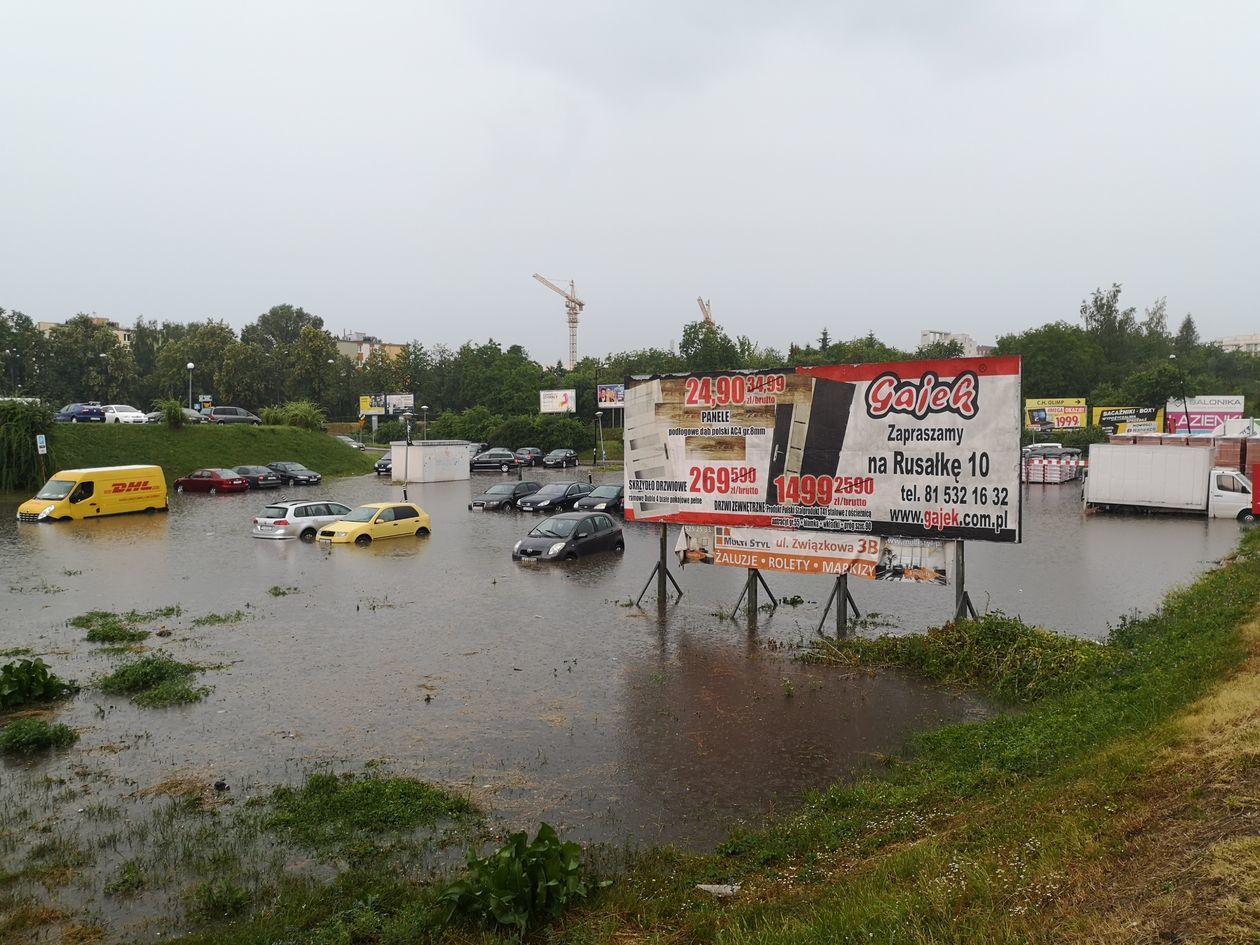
{"points": [[962, 601], [660, 571], [844, 601], [750, 591]]}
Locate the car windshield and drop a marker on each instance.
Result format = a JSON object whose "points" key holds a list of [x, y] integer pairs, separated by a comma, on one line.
{"points": [[55, 489], [554, 528], [605, 492], [556, 453], [503, 488], [365, 514], [252, 470], [275, 511], [552, 488]]}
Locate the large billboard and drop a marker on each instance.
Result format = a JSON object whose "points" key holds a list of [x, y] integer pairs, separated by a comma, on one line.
{"points": [[1055, 413], [923, 449], [610, 395], [557, 401], [1205, 413], [1129, 419], [382, 404]]}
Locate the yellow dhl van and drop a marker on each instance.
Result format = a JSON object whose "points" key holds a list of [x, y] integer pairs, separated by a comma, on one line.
{"points": [[91, 493]]}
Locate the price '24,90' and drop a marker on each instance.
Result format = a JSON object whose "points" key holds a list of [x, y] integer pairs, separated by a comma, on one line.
{"points": [[731, 388]]}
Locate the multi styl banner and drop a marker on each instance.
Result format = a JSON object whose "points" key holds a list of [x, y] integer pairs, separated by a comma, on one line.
{"points": [[1204, 413], [922, 449], [1055, 413], [1129, 419]]}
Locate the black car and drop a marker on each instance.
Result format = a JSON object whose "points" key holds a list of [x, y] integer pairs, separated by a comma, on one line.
{"points": [[494, 459], [81, 413], [605, 499], [385, 466], [259, 477], [558, 459], [503, 495], [570, 535], [555, 496], [529, 456], [295, 473]]}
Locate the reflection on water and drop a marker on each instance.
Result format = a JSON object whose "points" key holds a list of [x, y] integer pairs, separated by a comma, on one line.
{"points": [[533, 684]]}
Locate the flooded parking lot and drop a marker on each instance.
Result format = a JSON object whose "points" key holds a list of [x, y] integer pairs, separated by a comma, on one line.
{"points": [[537, 687]]}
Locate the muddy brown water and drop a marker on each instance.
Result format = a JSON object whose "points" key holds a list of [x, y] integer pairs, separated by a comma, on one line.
{"points": [[534, 687]]}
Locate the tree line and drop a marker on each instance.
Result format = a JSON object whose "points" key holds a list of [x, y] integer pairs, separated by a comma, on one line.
{"points": [[1111, 355]]}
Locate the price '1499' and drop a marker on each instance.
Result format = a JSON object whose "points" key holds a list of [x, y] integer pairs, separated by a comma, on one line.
{"points": [[821, 490]]}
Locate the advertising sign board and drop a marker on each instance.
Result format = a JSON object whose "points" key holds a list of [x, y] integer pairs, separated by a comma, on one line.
{"points": [[371, 404], [1206, 413], [1055, 413], [399, 403], [923, 449], [776, 549], [610, 395], [1129, 419], [557, 401]]}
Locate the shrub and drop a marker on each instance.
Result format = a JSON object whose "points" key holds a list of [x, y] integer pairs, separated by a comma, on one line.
{"points": [[154, 681], [105, 627], [24, 736], [19, 459], [521, 882], [172, 412], [25, 681], [273, 416], [305, 414]]}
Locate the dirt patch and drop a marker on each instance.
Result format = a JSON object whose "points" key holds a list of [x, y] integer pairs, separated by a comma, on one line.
{"points": [[190, 785], [1188, 867]]}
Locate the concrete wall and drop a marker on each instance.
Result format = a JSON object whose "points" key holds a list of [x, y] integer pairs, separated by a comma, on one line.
{"points": [[430, 460]]}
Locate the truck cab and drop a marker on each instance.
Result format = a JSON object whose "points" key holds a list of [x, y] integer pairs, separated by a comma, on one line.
{"points": [[1231, 496]]}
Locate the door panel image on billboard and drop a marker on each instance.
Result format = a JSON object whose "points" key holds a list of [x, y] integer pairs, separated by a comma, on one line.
{"points": [[923, 449]]}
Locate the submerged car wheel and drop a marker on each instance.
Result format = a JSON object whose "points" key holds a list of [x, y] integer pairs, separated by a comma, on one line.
{"points": [[363, 540], [214, 491], [308, 535], [179, 488], [503, 467], [619, 547], [1246, 516], [422, 533]]}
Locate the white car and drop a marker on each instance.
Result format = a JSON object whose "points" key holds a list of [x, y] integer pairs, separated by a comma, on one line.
{"points": [[123, 413], [297, 519], [349, 441]]}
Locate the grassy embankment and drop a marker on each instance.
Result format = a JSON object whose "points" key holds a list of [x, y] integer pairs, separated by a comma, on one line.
{"points": [[1121, 804], [72, 446]]}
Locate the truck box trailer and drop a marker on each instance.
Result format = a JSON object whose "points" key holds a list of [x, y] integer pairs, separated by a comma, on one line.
{"points": [[1165, 478]]}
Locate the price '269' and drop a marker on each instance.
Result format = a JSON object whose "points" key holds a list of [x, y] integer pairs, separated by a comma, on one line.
{"points": [[720, 479]]}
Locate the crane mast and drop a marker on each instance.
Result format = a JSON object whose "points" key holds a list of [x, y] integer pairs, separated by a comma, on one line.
{"points": [[573, 307], [705, 309]]}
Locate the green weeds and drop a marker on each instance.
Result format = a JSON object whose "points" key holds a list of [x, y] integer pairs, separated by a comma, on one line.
{"points": [[25, 736], [208, 620], [23, 682], [154, 681], [104, 626], [278, 591], [332, 813], [521, 883], [128, 880]]}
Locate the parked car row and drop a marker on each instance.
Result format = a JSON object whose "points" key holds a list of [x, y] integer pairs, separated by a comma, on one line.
{"points": [[93, 412], [335, 523], [505, 459], [214, 480], [554, 496]]}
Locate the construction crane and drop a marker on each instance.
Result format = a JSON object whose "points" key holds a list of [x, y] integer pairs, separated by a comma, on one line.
{"points": [[573, 305], [706, 310]]}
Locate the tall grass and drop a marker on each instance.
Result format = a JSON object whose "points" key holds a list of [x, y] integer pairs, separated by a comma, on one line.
{"points": [[19, 459]]}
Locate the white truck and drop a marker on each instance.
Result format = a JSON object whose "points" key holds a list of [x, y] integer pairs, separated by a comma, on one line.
{"points": [[1165, 478]]}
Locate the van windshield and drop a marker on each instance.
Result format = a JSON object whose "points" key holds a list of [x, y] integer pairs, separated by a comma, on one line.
{"points": [[55, 489]]}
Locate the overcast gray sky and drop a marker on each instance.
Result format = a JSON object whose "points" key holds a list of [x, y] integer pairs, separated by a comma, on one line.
{"points": [[402, 168]]}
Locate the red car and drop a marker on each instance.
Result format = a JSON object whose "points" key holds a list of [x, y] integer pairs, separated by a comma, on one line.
{"points": [[212, 481]]}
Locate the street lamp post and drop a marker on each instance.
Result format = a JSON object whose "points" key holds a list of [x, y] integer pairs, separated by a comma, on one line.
{"points": [[1185, 406], [599, 419], [104, 357], [190, 370], [425, 408], [407, 416]]}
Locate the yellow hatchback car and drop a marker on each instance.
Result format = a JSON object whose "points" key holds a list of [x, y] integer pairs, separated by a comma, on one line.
{"points": [[378, 520]]}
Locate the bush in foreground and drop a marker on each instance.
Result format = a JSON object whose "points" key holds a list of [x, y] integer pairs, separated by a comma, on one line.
{"points": [[25, 736]]}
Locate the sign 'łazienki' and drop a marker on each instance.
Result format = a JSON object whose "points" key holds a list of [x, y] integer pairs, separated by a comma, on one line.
{"points": [[926, 449]]}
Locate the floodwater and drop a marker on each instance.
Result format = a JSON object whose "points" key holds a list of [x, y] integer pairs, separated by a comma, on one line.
{"points": [[536, 687]]}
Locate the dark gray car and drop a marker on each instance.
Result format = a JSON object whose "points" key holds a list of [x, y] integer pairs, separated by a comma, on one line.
{"points": [[570, 535], [503, 495]]}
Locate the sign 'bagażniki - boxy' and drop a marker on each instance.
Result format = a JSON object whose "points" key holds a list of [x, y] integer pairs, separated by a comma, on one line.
{"points": [[924, 449]]}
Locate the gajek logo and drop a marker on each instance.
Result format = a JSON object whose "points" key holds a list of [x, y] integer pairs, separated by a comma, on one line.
{"points": [[888, 393]]}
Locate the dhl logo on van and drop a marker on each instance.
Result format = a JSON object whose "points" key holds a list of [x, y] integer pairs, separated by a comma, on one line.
{"points": [[131, 486]]}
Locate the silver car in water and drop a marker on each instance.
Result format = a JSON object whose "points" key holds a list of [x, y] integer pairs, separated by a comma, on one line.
{"points": [[297, 519]]}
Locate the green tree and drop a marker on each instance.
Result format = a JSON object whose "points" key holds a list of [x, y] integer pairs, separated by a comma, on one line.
{"points": [[311, 360], [706, 347], [1059, 360]]}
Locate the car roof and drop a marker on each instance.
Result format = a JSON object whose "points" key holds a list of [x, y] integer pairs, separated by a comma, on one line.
{"points": [[583, 514], [386, 505]]}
